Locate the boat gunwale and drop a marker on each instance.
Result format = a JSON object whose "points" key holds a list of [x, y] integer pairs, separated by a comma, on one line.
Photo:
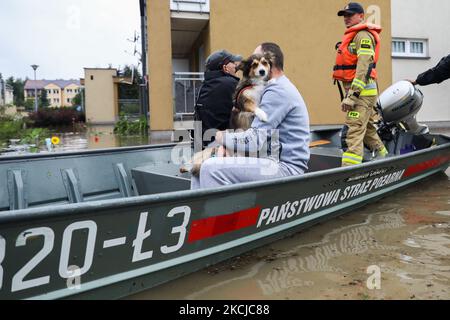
{"points": [[72, 154], [68, 154], [54, 211]]}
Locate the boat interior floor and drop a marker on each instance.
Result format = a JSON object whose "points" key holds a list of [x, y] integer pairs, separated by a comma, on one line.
{"points": [[167, 178]]}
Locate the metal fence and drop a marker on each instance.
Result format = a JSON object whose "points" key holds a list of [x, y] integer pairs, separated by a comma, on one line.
{"points": [[186, 88]]}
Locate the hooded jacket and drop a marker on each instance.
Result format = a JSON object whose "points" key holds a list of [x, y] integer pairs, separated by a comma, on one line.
{"points": [[215, 100]]}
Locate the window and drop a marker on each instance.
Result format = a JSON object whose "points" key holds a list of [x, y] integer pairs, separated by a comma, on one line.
{"points": [[409, 48], [68, 100]]}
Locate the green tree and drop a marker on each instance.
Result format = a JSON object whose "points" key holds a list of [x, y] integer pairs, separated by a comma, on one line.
{"points": [[43, 100], [29, 104], [78, 99], [18, 86]]}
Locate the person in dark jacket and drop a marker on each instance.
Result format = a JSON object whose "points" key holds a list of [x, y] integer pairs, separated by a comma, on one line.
{"points": [[215, 99], [438, 74]]}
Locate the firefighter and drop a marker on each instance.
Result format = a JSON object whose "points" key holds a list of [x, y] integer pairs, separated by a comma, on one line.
{"points": [[357, 56]]}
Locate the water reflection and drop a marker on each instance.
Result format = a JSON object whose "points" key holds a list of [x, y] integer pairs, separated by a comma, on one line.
{"points": [[291, 264], [99, 137]]}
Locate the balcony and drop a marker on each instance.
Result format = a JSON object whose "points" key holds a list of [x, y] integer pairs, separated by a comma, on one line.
{"points": [[189, 21]]}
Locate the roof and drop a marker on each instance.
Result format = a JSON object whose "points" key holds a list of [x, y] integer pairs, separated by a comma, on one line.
{"points": [[114, 69], [41, 84]]}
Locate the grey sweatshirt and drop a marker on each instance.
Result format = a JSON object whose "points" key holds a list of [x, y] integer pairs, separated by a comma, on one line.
{"points": [[287, 114]]}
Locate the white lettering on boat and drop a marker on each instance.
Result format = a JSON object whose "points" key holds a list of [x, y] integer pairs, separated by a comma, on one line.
{"points": [[44, 237], [181, 230], [18, 282], [2, 256], [138, 255], [91, 226], [305, 206]]}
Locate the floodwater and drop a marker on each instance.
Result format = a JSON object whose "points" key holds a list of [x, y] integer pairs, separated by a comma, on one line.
{"points": [[397, 248], [406, 237], [99, 137]]}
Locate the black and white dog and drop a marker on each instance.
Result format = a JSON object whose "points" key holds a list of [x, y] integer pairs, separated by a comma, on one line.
{"points": [[256, 73]]}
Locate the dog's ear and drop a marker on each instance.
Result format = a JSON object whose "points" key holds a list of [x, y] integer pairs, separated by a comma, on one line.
{"points": [[241, 65], [245, 66], [269, 57]]}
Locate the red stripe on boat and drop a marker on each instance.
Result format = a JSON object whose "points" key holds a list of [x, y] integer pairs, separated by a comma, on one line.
{"points": [[420, 167], [214, 226]]}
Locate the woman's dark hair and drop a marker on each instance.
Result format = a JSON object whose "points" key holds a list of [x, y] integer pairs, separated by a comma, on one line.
{"points": [[276, 55]]}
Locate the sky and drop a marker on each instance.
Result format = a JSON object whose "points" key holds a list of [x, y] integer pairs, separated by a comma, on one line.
{"points": [[65, 36]]}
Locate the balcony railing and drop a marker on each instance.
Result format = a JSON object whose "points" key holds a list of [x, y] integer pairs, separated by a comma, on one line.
{"points": [[196, 6], [186, 88]]}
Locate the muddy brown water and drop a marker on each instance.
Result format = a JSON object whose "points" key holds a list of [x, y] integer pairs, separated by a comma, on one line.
{"points": [[396, 248]]}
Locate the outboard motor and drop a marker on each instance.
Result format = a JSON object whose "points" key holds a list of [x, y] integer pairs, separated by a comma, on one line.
{"points": [[399, 105]]}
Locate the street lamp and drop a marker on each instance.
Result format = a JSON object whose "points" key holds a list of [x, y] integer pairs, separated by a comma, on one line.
{"points": [[34, 66]]}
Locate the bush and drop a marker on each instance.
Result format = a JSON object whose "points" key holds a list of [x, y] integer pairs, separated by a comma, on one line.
{"points": [[128, 127], [36, 135], [29, 104], [10, 128], [15, 128], [60, 117]]}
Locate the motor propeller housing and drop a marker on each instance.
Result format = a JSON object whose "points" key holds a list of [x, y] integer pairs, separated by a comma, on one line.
{"points": [[399, 105]]}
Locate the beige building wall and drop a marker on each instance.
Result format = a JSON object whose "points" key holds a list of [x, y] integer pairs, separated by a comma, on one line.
{"points": [[307, 31], [68, 94], [9, 97], [101, 96], [160, 65]]}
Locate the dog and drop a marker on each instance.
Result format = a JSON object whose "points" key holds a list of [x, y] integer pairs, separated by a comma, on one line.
{"points": [[255, 76]]}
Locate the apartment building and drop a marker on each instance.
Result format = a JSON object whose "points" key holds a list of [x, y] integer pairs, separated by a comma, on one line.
{"points": [[60, 93]]}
